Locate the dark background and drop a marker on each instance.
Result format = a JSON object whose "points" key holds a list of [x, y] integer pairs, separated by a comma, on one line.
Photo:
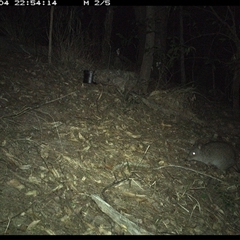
{"points": [[210, 57]]}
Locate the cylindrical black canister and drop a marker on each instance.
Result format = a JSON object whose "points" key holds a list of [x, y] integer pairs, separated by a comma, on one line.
{"points": [[88, 76]]}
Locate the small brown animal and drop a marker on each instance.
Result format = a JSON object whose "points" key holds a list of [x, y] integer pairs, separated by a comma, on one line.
{"points": [[220, 154]]}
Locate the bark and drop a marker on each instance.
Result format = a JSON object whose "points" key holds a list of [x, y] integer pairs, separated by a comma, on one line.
{"points": [[106, 45], [50, 36], [236, 83], [140, 14], [147, 61], [162, 14], [182, 58]]}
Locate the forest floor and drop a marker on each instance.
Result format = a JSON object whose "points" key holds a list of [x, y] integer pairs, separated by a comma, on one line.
{"points": [[81, 158]]}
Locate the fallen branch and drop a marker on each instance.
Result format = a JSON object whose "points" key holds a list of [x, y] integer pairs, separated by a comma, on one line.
{"points": [[118, 218]]}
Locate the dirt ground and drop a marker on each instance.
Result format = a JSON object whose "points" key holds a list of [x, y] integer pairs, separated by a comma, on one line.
{"points": [[90, 159]]}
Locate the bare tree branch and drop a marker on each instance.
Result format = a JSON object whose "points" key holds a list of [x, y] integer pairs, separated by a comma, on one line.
{"points": [[233, 35]]}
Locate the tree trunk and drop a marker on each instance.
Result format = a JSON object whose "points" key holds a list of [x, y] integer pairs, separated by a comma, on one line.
{"points": [[106, 45], [236, 84], [140, 14], [182, 59], [50, 36], [96, 32], [147, 61], [162, 13]]}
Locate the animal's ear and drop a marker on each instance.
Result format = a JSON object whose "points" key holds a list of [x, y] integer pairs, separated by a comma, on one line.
{"points": [[199, 146]]}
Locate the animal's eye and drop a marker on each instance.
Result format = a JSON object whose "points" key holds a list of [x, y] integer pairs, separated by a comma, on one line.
{"points": [[193, 153]]}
